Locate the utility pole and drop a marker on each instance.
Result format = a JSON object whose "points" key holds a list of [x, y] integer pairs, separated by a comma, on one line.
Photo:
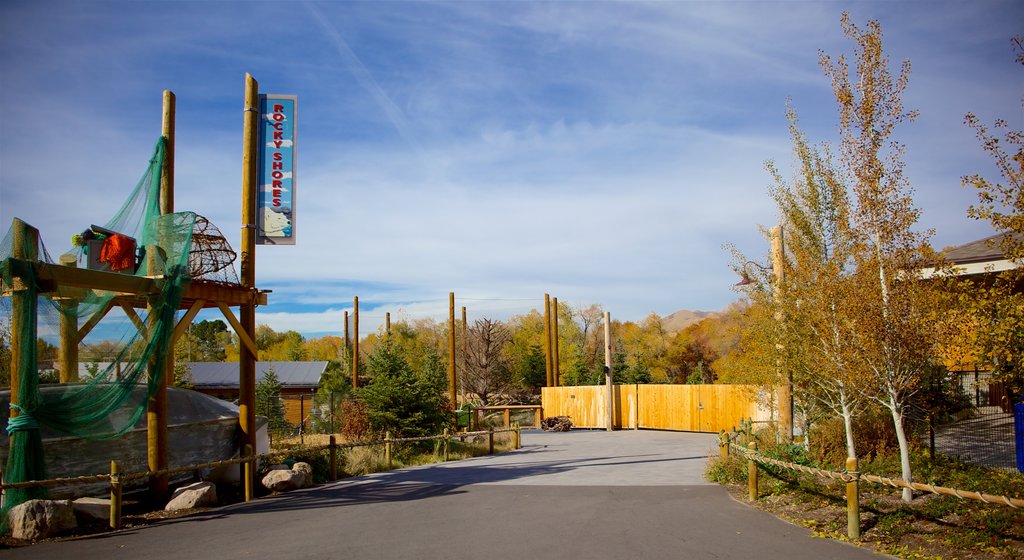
{"points": [[355, 342], [549, 381], [786, 409], [609, 385]]}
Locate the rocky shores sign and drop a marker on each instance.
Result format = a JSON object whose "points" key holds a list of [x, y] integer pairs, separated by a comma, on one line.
{"points": [[275, 204]]}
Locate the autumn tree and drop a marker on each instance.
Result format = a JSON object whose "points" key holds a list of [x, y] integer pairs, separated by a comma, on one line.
{"points": [[813, 301], [891, 313], [997, 306]]}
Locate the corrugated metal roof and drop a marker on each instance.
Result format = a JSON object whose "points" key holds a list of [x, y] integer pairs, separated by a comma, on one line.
{"points": [[982, 250], [225, 374]]}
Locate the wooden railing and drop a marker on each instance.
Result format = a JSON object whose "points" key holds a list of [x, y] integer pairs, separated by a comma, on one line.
{"points": [[506, 414], [729, 442], [117, 478]]}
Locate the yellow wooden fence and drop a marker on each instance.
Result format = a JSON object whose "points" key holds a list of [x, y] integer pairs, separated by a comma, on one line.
{"points": [[690, 408]]}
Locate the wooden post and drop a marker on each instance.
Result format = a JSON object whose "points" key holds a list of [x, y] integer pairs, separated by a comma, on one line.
{"points": [[608, 381], [506, 417], [476, 419], [556, 370], [115, 495], [445, 446], [249, 471], [387, 323], [490, 441], [549, 380], [786, 394], [333, 443], [518, 437], [355, 342], [247, 312], [68, 332], [853, 499], [451, 351], [156, 412], [723, 445], [347, 342], [387, 450], [465, 354], [752, 472], [539, 415]]}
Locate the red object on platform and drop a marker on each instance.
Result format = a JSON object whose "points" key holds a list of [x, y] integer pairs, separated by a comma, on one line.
{"points": [[119, 252]]}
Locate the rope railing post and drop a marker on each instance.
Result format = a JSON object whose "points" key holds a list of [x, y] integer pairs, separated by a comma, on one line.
{"points": [[723, 445], [333, 444], [387, 450], [490, 441], [519, 437], [249, 471], [115, 495], [752, 471], [853, 499], [445, 446]]}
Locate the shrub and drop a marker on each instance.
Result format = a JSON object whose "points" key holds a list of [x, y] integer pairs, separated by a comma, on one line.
{"points": [[873, 434], [355, 422]]}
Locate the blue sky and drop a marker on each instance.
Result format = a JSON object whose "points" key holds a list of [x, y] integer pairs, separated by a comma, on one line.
{"points": [[602, 152]]}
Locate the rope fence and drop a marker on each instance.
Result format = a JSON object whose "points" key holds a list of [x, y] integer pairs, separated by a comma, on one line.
{"points": [[727, 443], [248, 459]]}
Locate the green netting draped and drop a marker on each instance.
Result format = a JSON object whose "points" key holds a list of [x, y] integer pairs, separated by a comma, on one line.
{"points": [[103, 406]]}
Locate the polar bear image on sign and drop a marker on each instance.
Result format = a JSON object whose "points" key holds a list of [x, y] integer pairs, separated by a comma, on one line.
{"points": [[275, 224]]}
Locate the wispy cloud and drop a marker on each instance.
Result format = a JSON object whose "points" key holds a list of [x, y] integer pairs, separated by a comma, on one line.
{"points": [[601, 152]]}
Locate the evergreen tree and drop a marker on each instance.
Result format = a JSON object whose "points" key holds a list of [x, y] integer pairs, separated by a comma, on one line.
{"points": [[399, 400], [268, 400]]}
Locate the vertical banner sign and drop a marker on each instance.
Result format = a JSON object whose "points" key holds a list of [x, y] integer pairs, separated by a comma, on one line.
{"points": [[275, 203]]}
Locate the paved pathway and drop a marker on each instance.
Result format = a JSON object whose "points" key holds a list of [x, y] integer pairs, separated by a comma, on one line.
{"points": [[588, 495]]}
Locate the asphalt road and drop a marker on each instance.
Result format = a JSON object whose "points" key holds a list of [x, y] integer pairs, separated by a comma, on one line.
{"points": [[588, 495]]}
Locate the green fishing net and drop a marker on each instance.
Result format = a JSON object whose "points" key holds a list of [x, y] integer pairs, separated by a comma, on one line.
{"points": [[131, 331]]}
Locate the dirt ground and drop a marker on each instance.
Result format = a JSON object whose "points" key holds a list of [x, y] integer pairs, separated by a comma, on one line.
{"points": [[888, 526]]}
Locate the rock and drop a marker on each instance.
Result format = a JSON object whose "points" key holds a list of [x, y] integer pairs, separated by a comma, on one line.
{"points": [[556, 424], [41, 519], [283, 481], [199, 494], [91, 510], [307, 471]]}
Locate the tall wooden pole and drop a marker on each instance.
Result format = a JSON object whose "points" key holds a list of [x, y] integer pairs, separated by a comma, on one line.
{"points": [[156, 413], [387, 323], [24, 321], [355, 342], [556, 370], [549, 380], [465, 355], [451, 349], [786, 394], [608, 382], [347, 342], [68, 332], [246, 359]]}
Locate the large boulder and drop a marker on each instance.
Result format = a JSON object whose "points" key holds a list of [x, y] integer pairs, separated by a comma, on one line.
{"points": [[280, 480], [307, 472], [199, 494], [41, 519], [91, 510]]}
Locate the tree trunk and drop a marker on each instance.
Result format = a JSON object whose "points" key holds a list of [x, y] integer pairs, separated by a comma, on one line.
{"points": [[851, 449], [901, 437]]}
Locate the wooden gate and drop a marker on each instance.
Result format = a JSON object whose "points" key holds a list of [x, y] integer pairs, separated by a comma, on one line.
{"points": [[688, 408]]}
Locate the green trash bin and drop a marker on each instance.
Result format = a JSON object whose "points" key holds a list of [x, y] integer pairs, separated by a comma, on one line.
{"points": [[462, 416]]}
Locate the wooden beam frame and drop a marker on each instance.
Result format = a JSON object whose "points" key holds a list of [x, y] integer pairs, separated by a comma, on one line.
{"points": [[185, 321], [235, 324]]}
